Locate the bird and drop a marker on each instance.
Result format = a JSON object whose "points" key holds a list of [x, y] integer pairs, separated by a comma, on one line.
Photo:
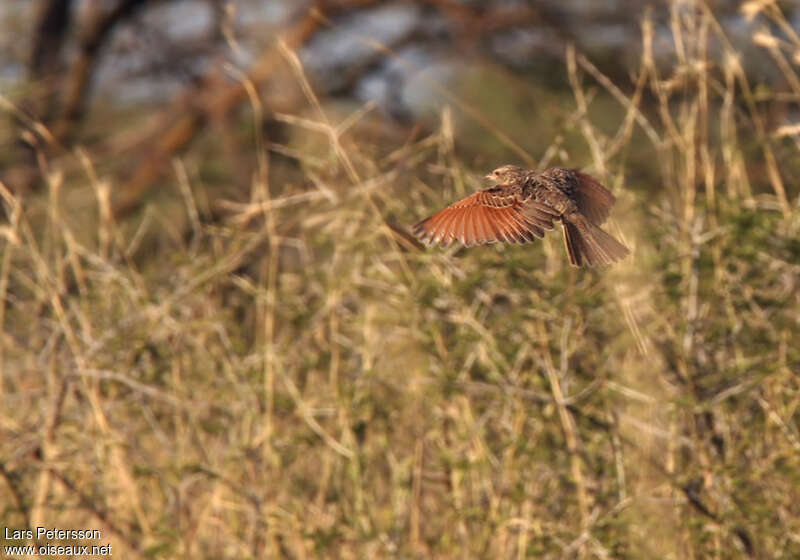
{"points": [[522, 205]]}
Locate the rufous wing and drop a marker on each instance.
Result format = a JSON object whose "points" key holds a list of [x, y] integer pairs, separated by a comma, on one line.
{"points": [[486, 216]]}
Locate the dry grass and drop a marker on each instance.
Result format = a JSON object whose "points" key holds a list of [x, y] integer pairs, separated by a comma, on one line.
{"points": [[296, 380]]}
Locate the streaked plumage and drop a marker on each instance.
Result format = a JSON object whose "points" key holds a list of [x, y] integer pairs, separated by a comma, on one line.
{"points": [[523, 205]]}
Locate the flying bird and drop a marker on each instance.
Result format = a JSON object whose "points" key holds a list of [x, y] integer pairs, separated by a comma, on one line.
{"points": [[523, 205]]}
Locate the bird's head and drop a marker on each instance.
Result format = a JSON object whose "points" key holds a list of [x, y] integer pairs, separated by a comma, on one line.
{"points": [[506, 174]]}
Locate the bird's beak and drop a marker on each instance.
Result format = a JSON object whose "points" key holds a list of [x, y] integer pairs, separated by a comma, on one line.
{"points": [[489, 176]]}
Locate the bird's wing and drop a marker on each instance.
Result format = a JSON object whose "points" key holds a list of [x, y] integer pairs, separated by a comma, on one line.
{"points": [[593, 199], [487, 216]]}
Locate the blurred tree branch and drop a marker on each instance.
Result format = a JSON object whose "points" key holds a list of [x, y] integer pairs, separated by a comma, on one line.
{"points": [[218, 100], [63, 91], [45, 70], [45, 64], [93, 40]]}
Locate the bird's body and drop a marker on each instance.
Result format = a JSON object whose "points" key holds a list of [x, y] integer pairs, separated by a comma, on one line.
{"points": [[523, 205]]}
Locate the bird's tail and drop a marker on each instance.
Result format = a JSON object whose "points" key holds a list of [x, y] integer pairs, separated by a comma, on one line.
{"points": [[590, 245]]}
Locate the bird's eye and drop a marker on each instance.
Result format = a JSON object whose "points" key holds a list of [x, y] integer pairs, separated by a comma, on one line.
{"points": [[495, 173]]}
